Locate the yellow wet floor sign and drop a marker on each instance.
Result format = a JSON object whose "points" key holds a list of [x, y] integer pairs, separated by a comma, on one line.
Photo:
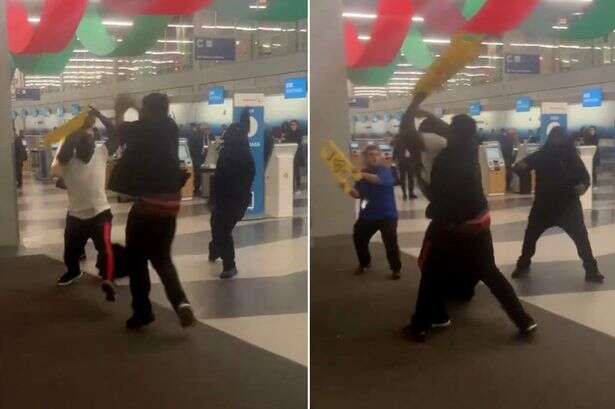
{"points": [[59, 134], [344, 173]]}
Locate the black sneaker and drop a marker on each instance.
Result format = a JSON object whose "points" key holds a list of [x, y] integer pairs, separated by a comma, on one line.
{"points": [[212, 259], [529, 329], [413, 196], [136, 322], [396, 275], [441, 324], [230, 273], [68, 279], [521, 272], [107, 288], [405, 198], [594, 277], [414, 334], [362, 269], [186, 315]]}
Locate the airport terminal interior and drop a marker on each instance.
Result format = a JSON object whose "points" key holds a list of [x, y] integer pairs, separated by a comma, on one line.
{"points": [[281, 131], [519, 86], [66, 347]]}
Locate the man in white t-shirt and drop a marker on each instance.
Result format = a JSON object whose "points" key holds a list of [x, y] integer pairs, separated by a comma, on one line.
{"points": [[82, 165]]}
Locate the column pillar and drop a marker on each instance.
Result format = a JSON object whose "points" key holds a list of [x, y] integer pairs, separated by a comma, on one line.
{"points": [[332, 212], [9, 233]]}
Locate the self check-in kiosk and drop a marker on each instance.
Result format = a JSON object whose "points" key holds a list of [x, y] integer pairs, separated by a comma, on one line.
{"points": [[186, 162], [587, 154], [209, 166], [279, 181], [493, 170], [355, 155], [525, 182]]}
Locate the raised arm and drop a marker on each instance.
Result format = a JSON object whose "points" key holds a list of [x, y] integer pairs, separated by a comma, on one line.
{"points": [[67, 149], [113, 142]]}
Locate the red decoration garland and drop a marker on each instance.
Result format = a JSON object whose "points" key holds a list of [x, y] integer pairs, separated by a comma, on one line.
{"points": [[442, 16], [499, 16], [156, 7], [56, 29], [388, 34]]}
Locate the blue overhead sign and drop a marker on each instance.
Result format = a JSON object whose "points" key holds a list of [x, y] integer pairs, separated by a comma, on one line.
{"points": [[524, 104], [214, 49], [216, 96], [75, 109], [295, 88], [28, 94], [522, 64], [475, 109], [592, 98]]}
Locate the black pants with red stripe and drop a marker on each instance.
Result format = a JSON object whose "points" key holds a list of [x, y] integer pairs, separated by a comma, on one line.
{"points": [[461, 253], [79, 231]]}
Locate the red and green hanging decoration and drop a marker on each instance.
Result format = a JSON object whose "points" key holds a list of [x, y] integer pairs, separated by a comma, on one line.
{"points": [[45, 48]]}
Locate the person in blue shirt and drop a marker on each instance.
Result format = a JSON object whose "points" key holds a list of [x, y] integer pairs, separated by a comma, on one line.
{"points": [[378, 212]]}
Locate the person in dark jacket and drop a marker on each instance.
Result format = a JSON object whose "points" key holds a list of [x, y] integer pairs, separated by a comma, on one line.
{"points": [[21, 155], [460, 232], [561, 178], [149, 171], [196, 145], [232, 192], [293, 134], [403, 159], [592, 139]]}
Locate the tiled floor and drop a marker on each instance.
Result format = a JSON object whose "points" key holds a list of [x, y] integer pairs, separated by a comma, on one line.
{"points": [[266, 305]]}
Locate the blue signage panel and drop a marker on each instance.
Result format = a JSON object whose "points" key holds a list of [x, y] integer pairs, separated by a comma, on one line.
{"points": [[28, 94], [475, 109], [257, 146], [359, 102], [75, 109], [60, 111], [214, 49], [550, 121], [522, 64], [216, 96], [295, 88], [524, 104], [592, 98]]}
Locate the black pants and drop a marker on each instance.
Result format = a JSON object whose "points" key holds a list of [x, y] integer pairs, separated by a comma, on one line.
{"points": [[76, 235], [364, 230], [406, 177], [297, 162], [149, 237], [19, 172], [570, 219], [467, 254], [221, 245], [196, 171]]}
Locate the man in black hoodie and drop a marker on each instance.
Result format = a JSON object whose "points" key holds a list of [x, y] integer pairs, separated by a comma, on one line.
{"points": [[21, 155], [232, 192], [561, 178], [149, 171], [459, 231]]}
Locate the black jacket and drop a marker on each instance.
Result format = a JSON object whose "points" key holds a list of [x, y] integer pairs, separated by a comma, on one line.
{"points": [[558, 172], [235, 171], [150, 163], [456, 187]]}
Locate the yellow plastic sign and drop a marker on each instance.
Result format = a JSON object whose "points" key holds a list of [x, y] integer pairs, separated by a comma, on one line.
{"points": [[68, 128], [463, 50], [342, 170]]}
